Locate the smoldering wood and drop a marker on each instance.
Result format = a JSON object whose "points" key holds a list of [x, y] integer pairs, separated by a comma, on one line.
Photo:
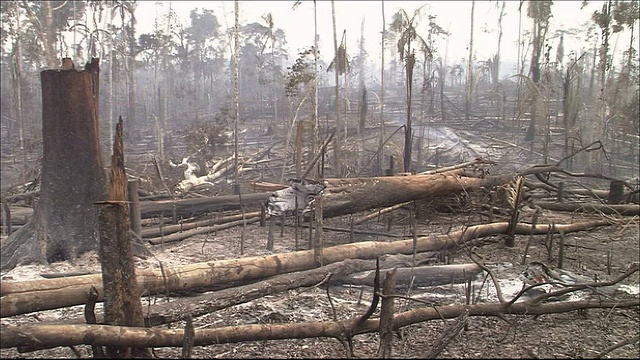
{"points": [[37, 337], [36, 295]]}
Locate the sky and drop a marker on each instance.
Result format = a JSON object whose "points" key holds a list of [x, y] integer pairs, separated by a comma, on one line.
{"points": [[453, 16]]}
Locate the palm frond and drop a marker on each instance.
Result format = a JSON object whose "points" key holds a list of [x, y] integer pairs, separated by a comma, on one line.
{"points": [[514, 188]]}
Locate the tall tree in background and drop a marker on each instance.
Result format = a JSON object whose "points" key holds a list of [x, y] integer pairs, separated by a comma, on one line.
{"points": [[127, 9], [612, 18], [406, 26], [273, 38], [17, 78], [299, 74], [540, 13], [236, 105], [626, 97], [381, 138], [469, 85], [338, 139], [315, 122]]}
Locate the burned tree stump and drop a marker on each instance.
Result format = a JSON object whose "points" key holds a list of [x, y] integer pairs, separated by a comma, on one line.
{"points": [[65, 222]]}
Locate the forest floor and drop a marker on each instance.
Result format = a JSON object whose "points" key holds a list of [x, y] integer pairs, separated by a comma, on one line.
{"points": [[597, 255], [576, 334]]}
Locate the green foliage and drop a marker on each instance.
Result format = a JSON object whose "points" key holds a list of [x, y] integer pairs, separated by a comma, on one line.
{"points": [[300, 73]]}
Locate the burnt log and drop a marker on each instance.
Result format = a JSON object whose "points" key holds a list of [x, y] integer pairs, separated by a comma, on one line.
{"points": [[35, 295]]}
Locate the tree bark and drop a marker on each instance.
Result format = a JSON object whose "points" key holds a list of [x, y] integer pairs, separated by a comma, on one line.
{"points": [[170, 229], [49, 336], [346, 196], [203, 230], [194, 306], [65, 221], [36, 295], [120, 292]]}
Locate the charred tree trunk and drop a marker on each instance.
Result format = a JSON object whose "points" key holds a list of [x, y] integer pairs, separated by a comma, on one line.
{"points": [[121, 297], [65, 221], [20, 297], [347, 196]]}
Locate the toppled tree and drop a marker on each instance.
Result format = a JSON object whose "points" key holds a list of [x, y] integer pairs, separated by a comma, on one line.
{"points": [[65, 221]]}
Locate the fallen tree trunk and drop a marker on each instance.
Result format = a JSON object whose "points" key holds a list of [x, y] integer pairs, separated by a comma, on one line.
{"points": [[170, 229], [203, 230], [351, 195], [195, 306], [37, 337], [419, 275], [609, 209], [19, 297], [190, 207]]}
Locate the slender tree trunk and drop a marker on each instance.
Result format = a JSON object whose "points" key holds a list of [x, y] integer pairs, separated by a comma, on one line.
{"points": [[315, 123], [131, 64], [338, 139], [236, 52], [110, 80], [122, 305], [408, 131], [467, 102], [381, 138], [17, 89], [49, 36]]}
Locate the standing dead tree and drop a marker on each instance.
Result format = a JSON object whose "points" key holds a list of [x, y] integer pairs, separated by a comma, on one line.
{"points": [[120, 290]]}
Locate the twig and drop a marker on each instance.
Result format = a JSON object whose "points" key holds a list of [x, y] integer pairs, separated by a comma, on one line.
{"points": [[618, 345], [448, 335]]}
